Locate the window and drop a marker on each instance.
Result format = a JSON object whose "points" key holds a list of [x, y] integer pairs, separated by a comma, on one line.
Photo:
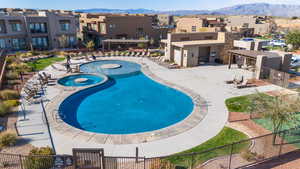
{"points": [[102, 28], [2, 27], [16, 27], [2, 44], [65, 25], [112, 25], [194, 28], [40, 42], [18, 43], [38, 27]]}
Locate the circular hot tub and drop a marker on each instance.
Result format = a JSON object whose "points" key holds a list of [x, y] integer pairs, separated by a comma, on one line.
{"points": [[80, 80]]}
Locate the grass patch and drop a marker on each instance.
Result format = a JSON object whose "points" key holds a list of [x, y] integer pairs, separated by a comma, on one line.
{"points": [[41, 64], [240, 104], [226, 136]]}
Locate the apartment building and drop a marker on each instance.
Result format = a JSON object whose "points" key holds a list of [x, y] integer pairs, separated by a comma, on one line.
{"points": [[165, 19], [193, 49], [108, 26], [198, 24], [261, 25], [38, 31]]}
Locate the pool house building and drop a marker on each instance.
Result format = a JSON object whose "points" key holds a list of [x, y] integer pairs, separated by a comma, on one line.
{"points": [[193, 49]]}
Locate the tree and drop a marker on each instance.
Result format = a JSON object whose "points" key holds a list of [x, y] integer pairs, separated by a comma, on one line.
{"points": [[90, 45], [279, 109], [63, 41], [142, 45], [293, 38]]}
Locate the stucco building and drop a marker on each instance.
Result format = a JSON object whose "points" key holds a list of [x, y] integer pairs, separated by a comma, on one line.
{"points": [[261, 25], [38, 31], [98, 27], [193, 49]]}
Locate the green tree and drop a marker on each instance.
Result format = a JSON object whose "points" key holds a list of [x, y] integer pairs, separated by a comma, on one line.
{"points": [[293, 38], [142, 45], [281, 110], [90, 45]]}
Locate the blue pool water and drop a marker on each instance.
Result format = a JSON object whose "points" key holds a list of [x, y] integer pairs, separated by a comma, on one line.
{"points": [[126, 105], [70, 80]]}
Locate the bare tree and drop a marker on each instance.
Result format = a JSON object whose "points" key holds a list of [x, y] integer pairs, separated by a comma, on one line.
{"points": [[281, 110]]}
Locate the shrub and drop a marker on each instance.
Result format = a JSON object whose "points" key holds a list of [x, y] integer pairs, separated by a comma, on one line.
{"points": [[248, 155], [11, 59], [9, 95], [39, 158], [11, 103], [4, 109], [11, 75], [12, 82], [7, 139]]}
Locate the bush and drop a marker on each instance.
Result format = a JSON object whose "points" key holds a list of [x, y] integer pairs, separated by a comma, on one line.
{"points": [[4, 109], [248, 155], [39, 158], [7, 139], [11, 103], [9, 95], [11, 75]]}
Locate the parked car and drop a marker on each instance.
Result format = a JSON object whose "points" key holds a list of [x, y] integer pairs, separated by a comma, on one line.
{"points": [[280, 43], [295, 63]]}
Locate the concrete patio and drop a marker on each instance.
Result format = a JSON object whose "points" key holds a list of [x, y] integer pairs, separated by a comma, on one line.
{"points": [[207, 81]]}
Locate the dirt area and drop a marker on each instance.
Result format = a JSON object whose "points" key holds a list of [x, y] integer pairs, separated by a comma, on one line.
{"points": [[22, 146]]}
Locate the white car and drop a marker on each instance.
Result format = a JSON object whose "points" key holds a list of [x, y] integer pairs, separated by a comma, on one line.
{"points": [[295, 63], [280, 43]]}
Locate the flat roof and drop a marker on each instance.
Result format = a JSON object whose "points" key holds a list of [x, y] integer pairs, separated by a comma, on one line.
{"points": [[254, 53], [198, 43], [125, 41]]}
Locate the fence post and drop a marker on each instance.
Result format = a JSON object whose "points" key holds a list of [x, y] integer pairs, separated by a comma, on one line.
{"points": [[136, 155], [230, 157], [144, 162], [281, 144], [21, 163]]}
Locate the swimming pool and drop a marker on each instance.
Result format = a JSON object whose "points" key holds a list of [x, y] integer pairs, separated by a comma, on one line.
{"points": [[80, 80], [125, 104]]}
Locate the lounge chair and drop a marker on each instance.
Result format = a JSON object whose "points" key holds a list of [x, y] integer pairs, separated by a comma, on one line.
{"points": [[245, 84]]}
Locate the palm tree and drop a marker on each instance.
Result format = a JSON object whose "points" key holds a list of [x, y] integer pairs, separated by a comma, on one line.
{"points": [[90, 45], [281, 110]]}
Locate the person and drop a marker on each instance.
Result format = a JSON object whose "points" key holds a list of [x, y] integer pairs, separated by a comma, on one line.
{"points": [[94, 57], [68, 67], [68, 59]]}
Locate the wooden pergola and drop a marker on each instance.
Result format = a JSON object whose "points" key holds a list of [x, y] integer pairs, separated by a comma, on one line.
{"points": [[122, 41], [248, 54]]}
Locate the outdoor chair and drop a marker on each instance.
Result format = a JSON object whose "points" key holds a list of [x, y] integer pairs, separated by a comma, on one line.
{"points": [[245, 84]]}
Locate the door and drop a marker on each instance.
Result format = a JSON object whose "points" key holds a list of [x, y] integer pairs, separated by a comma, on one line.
{"points": [[177, 56], [204, 53]]}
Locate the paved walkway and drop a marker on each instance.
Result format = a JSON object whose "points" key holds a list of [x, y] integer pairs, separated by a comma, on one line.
{"points": [[207, 81]]}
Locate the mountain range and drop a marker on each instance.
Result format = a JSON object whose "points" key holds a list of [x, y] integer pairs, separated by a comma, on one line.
{"points": [[281, 10]]}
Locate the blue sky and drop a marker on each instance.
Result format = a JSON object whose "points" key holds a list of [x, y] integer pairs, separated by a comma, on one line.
{"points": [[126, 4]]}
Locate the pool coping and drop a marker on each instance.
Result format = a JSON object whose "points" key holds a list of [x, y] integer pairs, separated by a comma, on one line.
{"points": [[199, 112]]}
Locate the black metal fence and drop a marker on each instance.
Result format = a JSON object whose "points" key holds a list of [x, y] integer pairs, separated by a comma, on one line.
{"points": [[236, 155]]}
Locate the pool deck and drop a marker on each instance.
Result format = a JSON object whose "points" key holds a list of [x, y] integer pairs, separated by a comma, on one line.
{"points": [[206, 81]]}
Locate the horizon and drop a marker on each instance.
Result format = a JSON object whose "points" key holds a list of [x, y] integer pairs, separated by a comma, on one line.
{"points": [[136, 4]]}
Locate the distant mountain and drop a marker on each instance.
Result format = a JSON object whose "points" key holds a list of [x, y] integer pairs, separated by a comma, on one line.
{"points": [[117, 11], [245, 9]]}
